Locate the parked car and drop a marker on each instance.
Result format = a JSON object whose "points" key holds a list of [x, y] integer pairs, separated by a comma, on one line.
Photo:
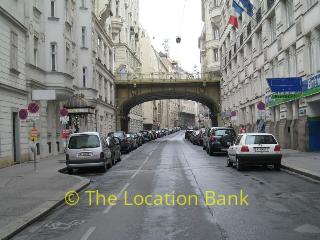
{"points": [[135, 140], [125, 143], [146, 135], [255, 149], [195, 137], [220, 139], [201, 134], [205, 137], [187, 133], [87, 149], [140, 139], [113, 143]]}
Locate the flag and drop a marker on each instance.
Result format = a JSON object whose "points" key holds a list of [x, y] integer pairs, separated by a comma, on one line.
{"points": [[237, 7], [233, 21], [249, 6]]}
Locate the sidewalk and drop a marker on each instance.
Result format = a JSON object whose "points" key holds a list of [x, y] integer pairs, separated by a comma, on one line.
{"points": [[305, 163], [26, 195]]}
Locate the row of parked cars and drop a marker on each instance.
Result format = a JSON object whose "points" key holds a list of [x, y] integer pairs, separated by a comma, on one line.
{"points": [[90, 149], [242, 150]]}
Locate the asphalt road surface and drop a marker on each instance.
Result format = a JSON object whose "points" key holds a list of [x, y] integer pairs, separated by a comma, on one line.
{"points": [[281, 205]]}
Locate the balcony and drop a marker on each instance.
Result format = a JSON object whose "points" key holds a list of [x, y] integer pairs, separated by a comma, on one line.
{"points": [[116, 23]]}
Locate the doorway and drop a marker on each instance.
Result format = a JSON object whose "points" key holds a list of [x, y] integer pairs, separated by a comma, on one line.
{"points": [[15, 138]]}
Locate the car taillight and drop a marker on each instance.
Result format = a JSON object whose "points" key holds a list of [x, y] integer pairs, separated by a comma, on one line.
{"points": [[245, 149], [277, 148], [67, 157], [101, 155]]}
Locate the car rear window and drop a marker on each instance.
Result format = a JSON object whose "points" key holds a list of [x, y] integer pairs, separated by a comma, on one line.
{"points": [[260, 139], [118, 134], [224, 132], [84, 141]]}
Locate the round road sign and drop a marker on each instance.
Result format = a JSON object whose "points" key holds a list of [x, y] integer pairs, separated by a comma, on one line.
{"points": [[64, 112], [23, 114], [33, 107]]}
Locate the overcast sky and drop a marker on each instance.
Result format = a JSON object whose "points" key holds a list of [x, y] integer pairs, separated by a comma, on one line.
{"points": [[166, 19]]}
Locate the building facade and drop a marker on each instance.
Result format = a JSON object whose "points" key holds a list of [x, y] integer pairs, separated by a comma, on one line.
{"points": [[280, 41], [68, 47], [13, 83], [209, 39]]}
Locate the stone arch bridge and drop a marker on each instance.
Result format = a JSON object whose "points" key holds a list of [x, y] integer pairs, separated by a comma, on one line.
{"points": [[132, 90]]}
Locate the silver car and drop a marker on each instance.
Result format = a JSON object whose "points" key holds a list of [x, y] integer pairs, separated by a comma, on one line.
{"points": [[87, 149]]}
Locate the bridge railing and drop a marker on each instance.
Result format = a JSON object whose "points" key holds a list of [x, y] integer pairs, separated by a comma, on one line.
{"points": [[170, 77]]}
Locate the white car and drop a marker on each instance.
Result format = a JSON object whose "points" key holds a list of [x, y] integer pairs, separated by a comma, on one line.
{"points": [[254, 149]]}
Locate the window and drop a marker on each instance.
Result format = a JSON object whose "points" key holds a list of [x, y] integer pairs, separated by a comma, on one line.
{"points": [[215, 33], [83, 36], [53, 56], [84, 77], [260, 139], [309, 3], [215, 54], [52, 8], [290, 12], [273, 28], [35, 50], [83, 3], [14, 51], [67, 57], [84, 141]]}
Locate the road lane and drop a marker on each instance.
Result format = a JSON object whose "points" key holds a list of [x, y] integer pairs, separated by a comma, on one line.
{"points": [[281, 206]]}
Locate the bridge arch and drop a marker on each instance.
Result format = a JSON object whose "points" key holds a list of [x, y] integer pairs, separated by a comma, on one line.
{"points": [[133, 93]]}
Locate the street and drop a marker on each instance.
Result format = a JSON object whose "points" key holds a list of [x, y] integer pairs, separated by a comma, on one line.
{"points": [[281, 205]]}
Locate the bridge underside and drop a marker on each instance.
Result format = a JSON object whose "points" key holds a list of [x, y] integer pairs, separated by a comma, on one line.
{"points": [[130, 95]]}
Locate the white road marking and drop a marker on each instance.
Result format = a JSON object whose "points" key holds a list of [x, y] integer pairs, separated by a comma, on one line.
{"points": [[88, 233], [123, 189], [108, 209]]}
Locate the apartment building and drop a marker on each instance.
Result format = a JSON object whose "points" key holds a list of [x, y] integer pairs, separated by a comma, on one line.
{"points": [[64, 46], [209, 39], [13, 83], [126, 33], [281, 40]]}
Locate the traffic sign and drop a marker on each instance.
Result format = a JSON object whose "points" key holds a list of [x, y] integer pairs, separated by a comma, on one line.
{"points": [[33, 134], [64, 112], [33, 116], [23, 114], [64, 120], [33, 107], [65, 133], [261, 105]]}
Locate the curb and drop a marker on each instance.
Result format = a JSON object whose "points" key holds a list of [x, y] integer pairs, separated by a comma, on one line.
{"points": [[301, 171], [24, 221]]}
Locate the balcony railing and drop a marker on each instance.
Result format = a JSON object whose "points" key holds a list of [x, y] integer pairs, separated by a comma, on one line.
{"points": [[167, 77]]}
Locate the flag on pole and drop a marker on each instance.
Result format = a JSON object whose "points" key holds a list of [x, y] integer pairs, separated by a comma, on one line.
{"points": [[237, 7], [233, 21], [249, 6]]}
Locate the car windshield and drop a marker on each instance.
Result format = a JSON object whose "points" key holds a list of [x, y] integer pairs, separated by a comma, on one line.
{"points": [[84, 141], [260, 139], [224, 132]]}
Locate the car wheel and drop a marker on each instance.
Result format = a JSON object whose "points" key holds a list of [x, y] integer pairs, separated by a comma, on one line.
{"points": [[229, 163], [277, 166], [70, 171], [238, 165], [211, 151], [104, 167], [109, 165]]}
